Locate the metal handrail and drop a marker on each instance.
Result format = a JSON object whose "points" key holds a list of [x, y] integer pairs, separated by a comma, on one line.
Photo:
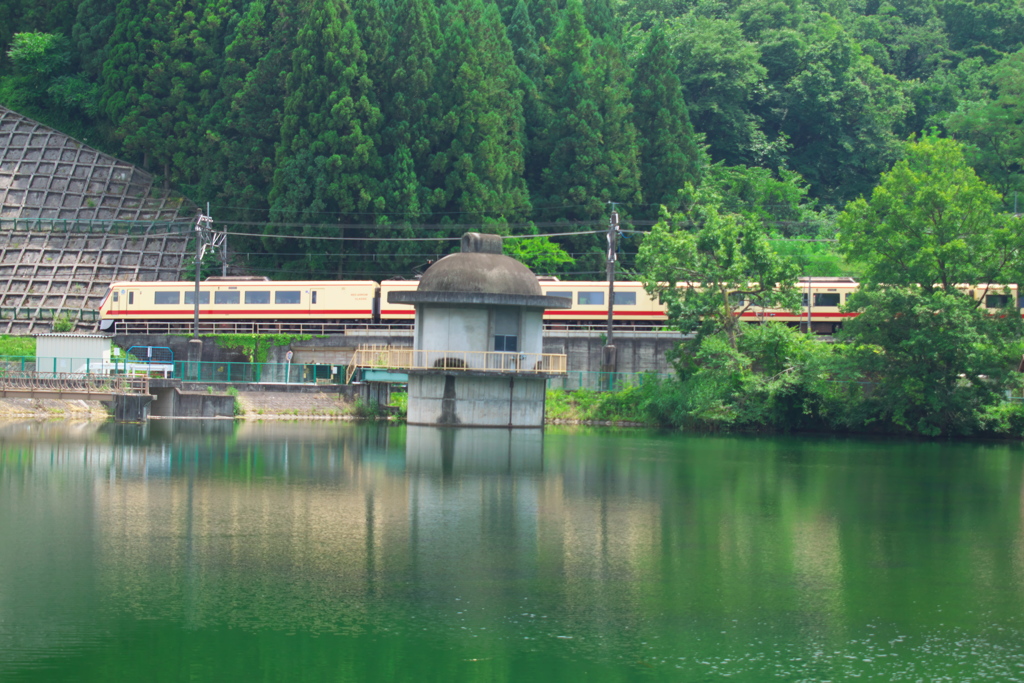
{"points": [[73, 382], [404, 358]]}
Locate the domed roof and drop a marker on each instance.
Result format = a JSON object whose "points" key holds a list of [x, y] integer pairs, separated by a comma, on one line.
{"points": [[480, 273], [479, 276]]}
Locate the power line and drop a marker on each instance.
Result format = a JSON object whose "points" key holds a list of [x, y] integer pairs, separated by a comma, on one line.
{"points": [[339, 238]]}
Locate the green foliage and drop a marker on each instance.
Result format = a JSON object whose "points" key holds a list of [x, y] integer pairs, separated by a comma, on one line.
{"points": [[539, 254], [710, 266], [400, 401], [670, 156], [63, 324], [1003, 420], [936, 358], [40, 55], [932, 222], [774, 198], [994, 126], [329, 124], [11, 345], [396, 114], [584, 405], [237, 409], [839, 112], [815, 258], [937, 361], [588, 153], [256, 347], [722, 79], [368, 410]]}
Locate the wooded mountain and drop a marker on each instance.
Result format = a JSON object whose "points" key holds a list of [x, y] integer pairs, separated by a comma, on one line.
{"points": [[397, 118]]}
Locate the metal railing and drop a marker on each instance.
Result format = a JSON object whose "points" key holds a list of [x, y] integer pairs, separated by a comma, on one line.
{"points": [[98, 226], [398, 358], [77, 383], [604, 381], [257, 373], [47, 313], [260, 327], [206, 371]]}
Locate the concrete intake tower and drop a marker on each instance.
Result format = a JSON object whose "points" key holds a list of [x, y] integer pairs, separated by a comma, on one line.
{"points": [[477, 358]]}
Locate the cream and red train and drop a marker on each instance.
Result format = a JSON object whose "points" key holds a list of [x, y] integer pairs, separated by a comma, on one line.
{"points": [[363, 302]]}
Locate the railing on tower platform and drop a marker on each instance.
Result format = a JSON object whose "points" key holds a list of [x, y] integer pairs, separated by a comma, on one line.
{"points": [[404, 358]]}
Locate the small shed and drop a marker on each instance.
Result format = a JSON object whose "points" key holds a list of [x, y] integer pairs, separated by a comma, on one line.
{"points": [[72, 352]]}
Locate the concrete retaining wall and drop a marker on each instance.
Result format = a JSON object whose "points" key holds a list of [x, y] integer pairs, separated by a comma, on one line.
{"points": [[635, 353], [641, 352]]}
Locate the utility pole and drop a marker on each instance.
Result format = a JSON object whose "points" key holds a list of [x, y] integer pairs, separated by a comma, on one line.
{"points": [[613, 229], [195, 344], [202, 220], [809, 303], [608, 357]]}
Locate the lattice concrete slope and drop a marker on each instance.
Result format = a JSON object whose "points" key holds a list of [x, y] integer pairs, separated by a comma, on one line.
{"points": [[73, 220]]}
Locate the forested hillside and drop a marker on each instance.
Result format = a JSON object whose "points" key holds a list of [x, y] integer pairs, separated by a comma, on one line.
{"points": [[397, 118]]}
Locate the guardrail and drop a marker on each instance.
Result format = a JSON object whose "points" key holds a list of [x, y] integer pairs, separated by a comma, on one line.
{"points": [[259, 327], [386, 357], [394, 327], [76, 383], [604, 381], [47, 313], [98, 226]]}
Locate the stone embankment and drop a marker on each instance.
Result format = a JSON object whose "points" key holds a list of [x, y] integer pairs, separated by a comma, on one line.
{"points": [[260, 405], [254, 406], [52, 409]]}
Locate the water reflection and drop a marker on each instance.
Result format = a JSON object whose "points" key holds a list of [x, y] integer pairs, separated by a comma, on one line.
{"points": [[474, 450], [621, 554]]}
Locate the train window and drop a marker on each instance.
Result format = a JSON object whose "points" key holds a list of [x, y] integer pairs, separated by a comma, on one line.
{"points": [[312, 297], [288, 297], [131, 298], [625, 298], [803, 299], [826, 299], [996, 300], [564, 295], [257, 297], [204, 298], [166, 297], [1020, 301], [590, 298], [226, 298], [115, 297]]}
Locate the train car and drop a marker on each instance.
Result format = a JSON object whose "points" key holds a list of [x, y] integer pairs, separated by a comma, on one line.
{"points": [[397, 313], [240, 299], [632, 306], [994, 297], [335, 305], [822, 299]]}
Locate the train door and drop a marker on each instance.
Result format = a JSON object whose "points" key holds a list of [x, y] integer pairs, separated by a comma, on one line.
{"points": [[316, 301], [118, 301], [132, 301]]}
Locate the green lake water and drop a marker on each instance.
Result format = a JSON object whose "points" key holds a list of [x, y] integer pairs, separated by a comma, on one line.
{"points": [[336, 552]]}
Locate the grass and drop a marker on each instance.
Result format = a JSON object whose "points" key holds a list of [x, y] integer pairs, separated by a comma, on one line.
{"points": [[11, 345], [585, 405]]}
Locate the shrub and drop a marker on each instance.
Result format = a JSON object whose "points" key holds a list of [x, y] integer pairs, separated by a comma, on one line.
{"points": [[63, 324]]}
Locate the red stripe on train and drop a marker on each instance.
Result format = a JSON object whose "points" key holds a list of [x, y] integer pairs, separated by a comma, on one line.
{"points": [[242, 312]]}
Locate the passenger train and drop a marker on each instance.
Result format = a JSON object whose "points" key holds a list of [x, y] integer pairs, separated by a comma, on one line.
{"points": [[340, 304]]}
